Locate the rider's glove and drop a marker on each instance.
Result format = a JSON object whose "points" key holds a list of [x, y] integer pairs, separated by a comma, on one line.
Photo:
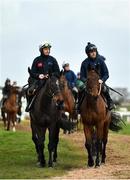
{"points": [[41, 76], [100, 81]]}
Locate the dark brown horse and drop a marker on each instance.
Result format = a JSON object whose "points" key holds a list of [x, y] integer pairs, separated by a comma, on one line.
{"points": [[10, 108], [45, 115], [69, 101], [96, 118]]}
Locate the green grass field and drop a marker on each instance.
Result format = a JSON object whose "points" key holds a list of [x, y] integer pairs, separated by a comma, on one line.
{"points": [[125, 130], [18, 157]]}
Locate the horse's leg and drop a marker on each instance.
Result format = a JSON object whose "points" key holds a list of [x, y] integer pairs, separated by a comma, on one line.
{"points": [[56, 143], [88, 144], [3, 117], [105, 138], [38, 137], [8, 121], [51, 145], [99, 143], [13, 121]]}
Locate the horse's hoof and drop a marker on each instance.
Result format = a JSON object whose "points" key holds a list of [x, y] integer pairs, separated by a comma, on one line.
{"points": [[54, 160], [50, 165], [90, 164], [41, 165], [97, 166], [14, 130], [103, 163]]}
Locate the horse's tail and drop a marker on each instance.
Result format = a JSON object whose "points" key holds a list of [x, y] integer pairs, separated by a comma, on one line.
{"points": [[116, 122], [65, 124]]}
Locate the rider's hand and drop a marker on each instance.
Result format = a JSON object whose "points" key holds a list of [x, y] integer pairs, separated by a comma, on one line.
{"points": [[100, 81], [41, 76]]}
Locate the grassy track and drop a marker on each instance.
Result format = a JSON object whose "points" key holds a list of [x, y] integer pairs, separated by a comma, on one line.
{"points": [[18, 157]]}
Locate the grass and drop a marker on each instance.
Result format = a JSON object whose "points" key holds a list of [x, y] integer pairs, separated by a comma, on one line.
{"points": [[126, 129], [18, 157]]}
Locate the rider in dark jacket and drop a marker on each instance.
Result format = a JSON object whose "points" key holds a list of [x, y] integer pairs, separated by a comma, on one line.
{"points": [[94, 59], [43, 66], [6, 90], [71, 79], [69, 74]]}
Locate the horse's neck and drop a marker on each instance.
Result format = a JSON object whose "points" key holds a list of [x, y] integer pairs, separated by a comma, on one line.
{"points": [[94, 104], [68, 99], [43, 97], [12, 98]]}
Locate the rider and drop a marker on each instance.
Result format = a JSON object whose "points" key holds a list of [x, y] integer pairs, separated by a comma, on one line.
{"points": [[71, 78], [93, 59], [6, 90], [43, 66]]}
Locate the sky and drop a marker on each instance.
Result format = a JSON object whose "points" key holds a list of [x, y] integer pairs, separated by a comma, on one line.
{"points": [[68, 25]]}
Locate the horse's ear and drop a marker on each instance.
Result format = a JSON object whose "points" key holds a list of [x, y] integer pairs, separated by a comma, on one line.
{"points": [[89, 68], [29, 70], [98, 68], [61, 72]]}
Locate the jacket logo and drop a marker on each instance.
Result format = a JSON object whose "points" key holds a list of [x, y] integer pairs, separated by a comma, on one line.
{"points": [[40, 65]]}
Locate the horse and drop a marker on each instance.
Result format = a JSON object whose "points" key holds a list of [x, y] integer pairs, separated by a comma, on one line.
{"points": [[45, 115], [96, 118], [10, 108], [69, 101]]}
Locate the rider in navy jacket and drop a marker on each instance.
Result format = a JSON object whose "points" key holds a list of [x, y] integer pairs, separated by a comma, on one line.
{"points": [[104, 74], [43, 66], [95, 59], [69, 74]]}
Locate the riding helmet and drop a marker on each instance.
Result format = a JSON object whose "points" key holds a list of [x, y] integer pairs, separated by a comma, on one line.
{"points": [[44, 45], [90, 47]]}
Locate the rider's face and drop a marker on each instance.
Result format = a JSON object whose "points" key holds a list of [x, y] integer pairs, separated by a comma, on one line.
{"points": [[67, 68], [93, 54], [46, 51]]}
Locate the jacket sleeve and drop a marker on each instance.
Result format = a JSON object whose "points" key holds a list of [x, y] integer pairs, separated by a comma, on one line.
{"points": [[34, 73], [56, 69], [83, 72], [104, 72], [74, 78]]}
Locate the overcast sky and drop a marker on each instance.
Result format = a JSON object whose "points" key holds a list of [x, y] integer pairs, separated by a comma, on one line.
{"points": [[68, 25]]}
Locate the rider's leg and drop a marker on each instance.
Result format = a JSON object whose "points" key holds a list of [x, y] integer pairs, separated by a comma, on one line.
{"points": [[30, 93], [110, 102]]}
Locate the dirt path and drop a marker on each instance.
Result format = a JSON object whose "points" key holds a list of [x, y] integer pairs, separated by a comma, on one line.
{"points": [[117, 162]]}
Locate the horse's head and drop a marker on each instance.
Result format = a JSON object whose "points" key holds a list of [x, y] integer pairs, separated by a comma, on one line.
{"points": [[63, 81], [53, 88], [93, 86], [14, 90]]}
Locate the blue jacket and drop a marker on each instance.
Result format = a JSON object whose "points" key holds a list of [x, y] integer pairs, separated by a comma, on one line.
{"points": [[71, 78], [104, 73]]}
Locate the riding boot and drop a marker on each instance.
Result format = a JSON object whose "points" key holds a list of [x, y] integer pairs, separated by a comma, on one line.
{"points": [[81, 95], [29, 98], [110, 102]]}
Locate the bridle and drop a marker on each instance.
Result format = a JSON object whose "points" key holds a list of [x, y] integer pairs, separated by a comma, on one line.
{"points": [[51, 91], [100, 87]]}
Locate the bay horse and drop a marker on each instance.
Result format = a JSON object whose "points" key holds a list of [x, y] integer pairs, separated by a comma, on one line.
{"points": [[69, 101], [96, 118], [10, 108], [45, 115]]}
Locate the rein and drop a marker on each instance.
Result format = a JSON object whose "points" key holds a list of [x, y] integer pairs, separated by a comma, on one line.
{"points": [[100, 88]]}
